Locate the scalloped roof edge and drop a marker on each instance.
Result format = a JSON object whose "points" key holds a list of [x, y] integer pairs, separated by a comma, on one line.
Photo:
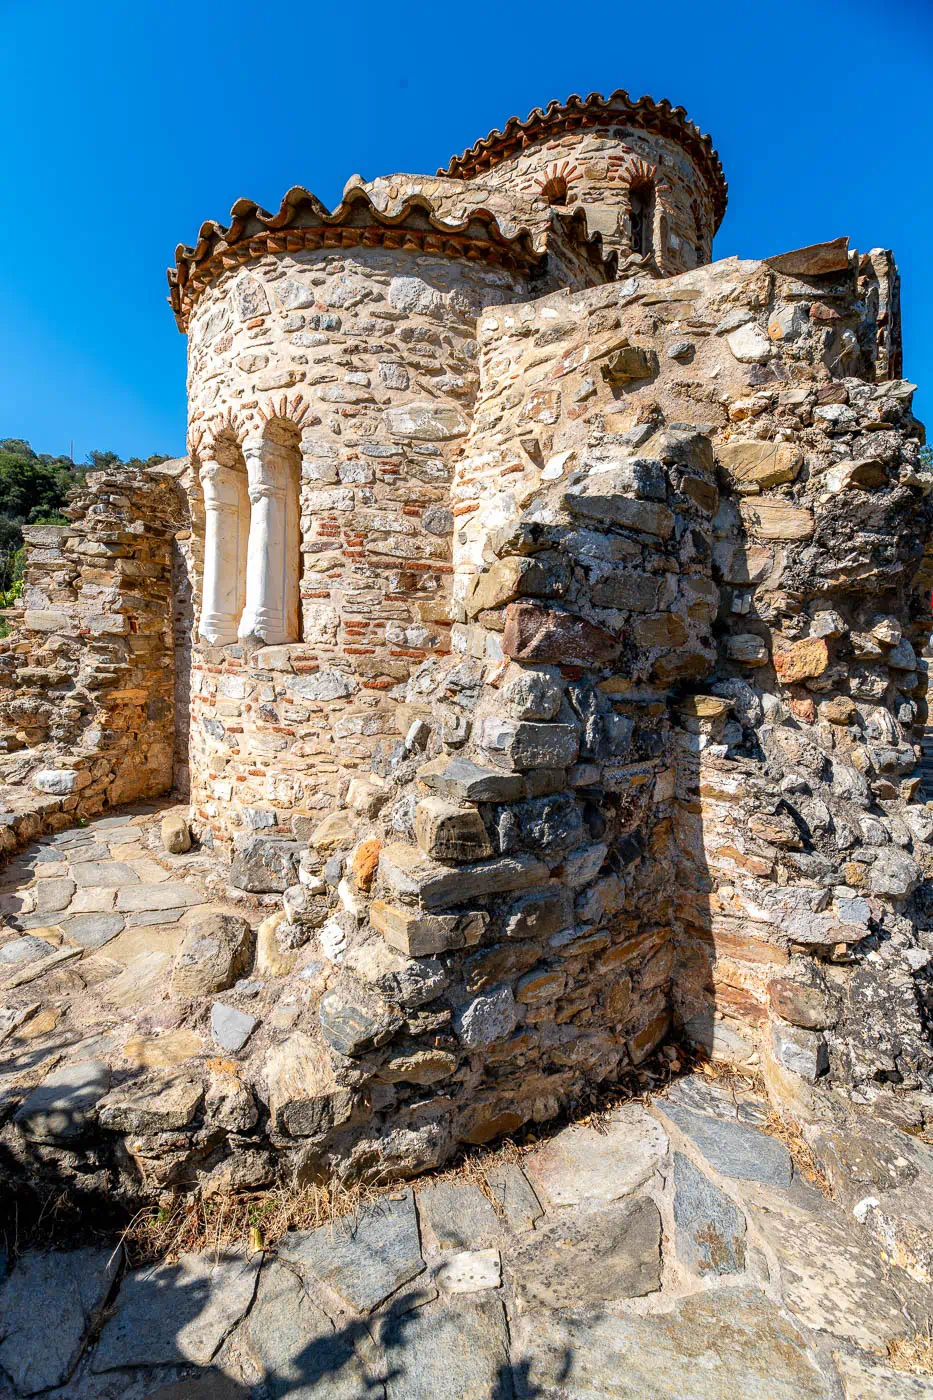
{"points": [[301, 216], [645, 110]]}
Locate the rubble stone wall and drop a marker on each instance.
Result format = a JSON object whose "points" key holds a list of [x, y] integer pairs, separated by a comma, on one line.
{"points": [[659, 777], [87, 676], [491, 916], [801, 844]]}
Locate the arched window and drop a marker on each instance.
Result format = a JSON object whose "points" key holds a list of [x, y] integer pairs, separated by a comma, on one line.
{"points": [[641, 215], [226, 530], [252, 538], [273, 464]]}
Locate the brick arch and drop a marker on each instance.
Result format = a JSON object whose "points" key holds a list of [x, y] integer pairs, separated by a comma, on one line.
{"points": [[636, 171], [554, 184], [203, 437], [294, 413]]}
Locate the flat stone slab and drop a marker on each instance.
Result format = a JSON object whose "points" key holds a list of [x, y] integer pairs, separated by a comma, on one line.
{"points": [[93, 899], [171, 894], [144, 977], [734, 1149], [727, 1345], [709, 1227], [458, 1215], [92, 930], [52, 896], [174, 1313], [103, 874], [83, 851], [512, 1191], [47, 1307], [702, 1095], [364, 1258], [470, 1271], [163, 1051], [460, 1353], [831, 1274], [135, 943], [146, 917], [211, 1385], [20, 951], [866, 1380], [591, 1257], [61, 1107], [583, 1165], [293, 1342]]}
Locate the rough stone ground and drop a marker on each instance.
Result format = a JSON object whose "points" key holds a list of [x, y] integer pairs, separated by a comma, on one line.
{"points": [[92, 920], [672, 1250]]}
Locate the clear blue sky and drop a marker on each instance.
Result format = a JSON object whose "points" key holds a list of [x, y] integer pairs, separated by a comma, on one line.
{"points": [[126, 125]]}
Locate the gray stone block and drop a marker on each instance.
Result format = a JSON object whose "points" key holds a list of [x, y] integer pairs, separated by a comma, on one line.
{"points": [[458, 1215], [598, 1256], [710, 1236], [712, 1346], [47, 1308], [364, 1258], [461, 1351], [173, 1313], [734, 1149], [64, 1104]]}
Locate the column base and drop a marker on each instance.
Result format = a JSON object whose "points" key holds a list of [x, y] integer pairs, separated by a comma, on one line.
{"points": [[265, 627]]}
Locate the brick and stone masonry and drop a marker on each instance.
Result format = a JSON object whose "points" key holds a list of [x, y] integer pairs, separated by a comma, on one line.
{"points": [[549, 605]]}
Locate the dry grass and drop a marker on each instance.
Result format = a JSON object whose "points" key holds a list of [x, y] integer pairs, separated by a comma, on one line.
{"points": [[192, 1223], [788, 1132], [913, 1354], [189, 1223], [732, 1077]]}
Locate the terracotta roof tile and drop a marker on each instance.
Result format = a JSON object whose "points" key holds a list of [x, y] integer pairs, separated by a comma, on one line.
{"points": [[595, 110], [302, 221]]}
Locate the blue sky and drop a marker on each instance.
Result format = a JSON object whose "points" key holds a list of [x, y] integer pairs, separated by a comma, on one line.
{"points": [[127, 125]]}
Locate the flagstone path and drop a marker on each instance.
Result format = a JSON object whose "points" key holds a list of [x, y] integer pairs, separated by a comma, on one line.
{"points": [[668, 1252]]}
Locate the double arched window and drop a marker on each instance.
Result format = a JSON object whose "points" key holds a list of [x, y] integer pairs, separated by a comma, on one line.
{"points": [[252, 538]]}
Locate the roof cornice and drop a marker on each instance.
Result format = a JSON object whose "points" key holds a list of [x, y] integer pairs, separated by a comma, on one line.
{"points": [[561, 118]]}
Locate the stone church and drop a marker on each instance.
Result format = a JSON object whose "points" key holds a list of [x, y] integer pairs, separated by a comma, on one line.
{"points": [[537, 626]]}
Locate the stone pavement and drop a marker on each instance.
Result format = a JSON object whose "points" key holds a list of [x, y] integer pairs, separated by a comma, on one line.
{"points": [[666, 1252], [95, 919]]}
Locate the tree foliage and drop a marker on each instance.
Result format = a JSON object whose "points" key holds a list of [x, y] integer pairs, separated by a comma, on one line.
{"points": [[34, 487]]}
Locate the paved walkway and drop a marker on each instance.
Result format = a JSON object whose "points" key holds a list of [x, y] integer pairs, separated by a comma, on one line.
{"points": [[670, 1253], [92, 920]]}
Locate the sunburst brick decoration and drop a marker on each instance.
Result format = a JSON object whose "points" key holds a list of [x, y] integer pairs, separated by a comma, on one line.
{"points": [[555, 183]]}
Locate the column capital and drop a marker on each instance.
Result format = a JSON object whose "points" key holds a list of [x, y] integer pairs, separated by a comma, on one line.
{"points": [[221, 486]]}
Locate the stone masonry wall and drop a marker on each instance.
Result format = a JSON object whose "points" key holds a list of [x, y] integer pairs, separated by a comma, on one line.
{"points": [[801, 845], [594, 170], [599, 166], [602, 814], [372, 356], [489, 919], [87, 676]]}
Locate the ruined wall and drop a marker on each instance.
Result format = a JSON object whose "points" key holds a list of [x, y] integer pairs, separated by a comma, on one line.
{"points": [[672, 772], [489, 919], [87, 676], [371, 355], [801, 843]]}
